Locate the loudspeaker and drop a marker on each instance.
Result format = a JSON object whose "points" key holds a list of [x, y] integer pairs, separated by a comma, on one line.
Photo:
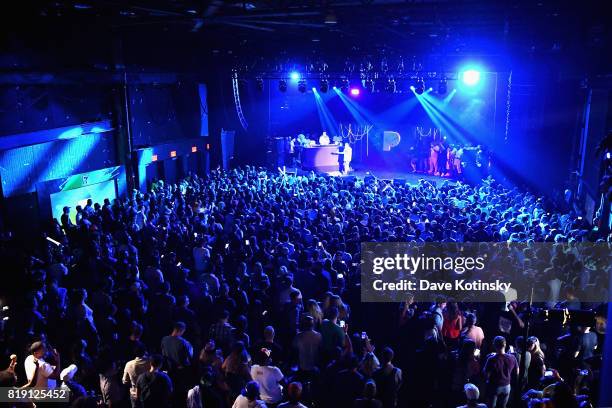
{"points": [[227, 147]]}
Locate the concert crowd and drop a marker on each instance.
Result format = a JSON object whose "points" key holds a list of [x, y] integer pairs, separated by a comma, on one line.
{"points": [[241, 289]]}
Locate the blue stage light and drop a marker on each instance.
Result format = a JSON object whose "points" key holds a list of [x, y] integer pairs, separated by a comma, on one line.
{"points": [[324, 86], [294, 76], [419, 86], [470, 77]]}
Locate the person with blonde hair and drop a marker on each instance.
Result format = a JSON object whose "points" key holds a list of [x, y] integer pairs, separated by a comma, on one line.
{"points": [[537, 367], [314, 310]]}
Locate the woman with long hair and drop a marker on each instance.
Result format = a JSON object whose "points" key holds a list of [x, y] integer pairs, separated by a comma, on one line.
{"points": [[452, 324], [313, 309], [537, 367], [471, 331], [236, 369]]}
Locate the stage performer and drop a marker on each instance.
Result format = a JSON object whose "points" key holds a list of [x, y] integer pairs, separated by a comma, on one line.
{"points": [[457, 161], [442, 157], [324, 139], [345, 155], [433, 156], [450, 159]]}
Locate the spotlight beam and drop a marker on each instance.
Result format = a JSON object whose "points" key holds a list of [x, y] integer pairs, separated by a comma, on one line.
{"points": [[463, 134], [352, 107], [326, 118]]}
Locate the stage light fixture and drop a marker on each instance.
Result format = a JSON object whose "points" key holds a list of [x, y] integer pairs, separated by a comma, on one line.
{"points": [[260, 84], [324, 85], [470, 77], [355, 91], [419, 86], [295, 76], [302, 86], [391, 86], [442, 87], [344, 85], [282, 85]]}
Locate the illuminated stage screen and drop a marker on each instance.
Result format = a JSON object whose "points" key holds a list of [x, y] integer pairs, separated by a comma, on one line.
{"points": [[79, 196]]}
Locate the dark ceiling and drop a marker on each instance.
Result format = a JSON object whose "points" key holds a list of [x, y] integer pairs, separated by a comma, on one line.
{"points": [[270, 33]]}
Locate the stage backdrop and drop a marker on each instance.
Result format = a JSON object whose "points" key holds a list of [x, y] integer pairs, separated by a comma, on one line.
{"points": [[463, 115]]}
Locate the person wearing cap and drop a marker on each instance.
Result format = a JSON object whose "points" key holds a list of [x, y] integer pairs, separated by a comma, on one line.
{"points": [[38, 371], [472, 393], [249, 398]]}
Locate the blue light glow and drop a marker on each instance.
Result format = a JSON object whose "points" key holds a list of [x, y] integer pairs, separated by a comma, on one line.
{"points": [[295, 76], [470, 77], [71, 133]]}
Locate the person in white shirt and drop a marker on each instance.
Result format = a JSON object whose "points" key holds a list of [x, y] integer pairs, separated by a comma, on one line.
{"points": [[133, 369], [140, 219], [194, 398], [249, 397], [345, 155], [348, 156], [38, 371], [324, 139], [268, 377]]}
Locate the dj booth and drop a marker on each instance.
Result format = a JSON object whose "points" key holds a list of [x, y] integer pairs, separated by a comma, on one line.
{"points": [[320, 158]]}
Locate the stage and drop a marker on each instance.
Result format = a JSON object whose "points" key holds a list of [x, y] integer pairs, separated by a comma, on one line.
{"points": [[411, 178], [381, 174]]}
